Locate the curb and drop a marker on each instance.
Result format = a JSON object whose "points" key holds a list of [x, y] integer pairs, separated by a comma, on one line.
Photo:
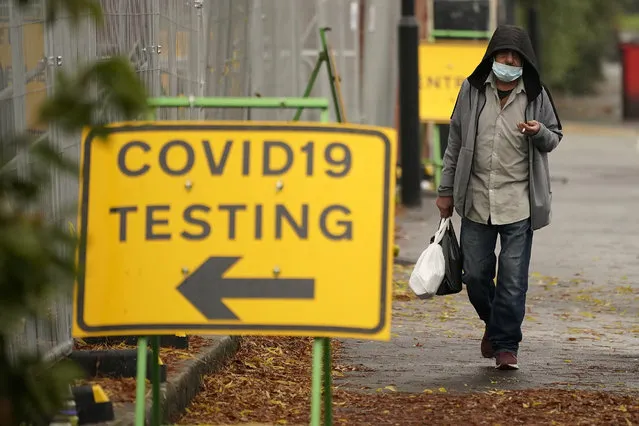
{"points": [[180, 389], [178, 393]]}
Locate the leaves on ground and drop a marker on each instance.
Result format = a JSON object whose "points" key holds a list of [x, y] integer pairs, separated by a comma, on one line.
{"points": [[401, 289], [269, 381]]}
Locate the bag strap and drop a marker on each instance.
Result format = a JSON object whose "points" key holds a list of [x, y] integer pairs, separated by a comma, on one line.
{"points": [[443, 226]]}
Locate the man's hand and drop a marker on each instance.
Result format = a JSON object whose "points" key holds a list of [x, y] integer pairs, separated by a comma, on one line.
{"points": [[531, 128], [445, 206]]}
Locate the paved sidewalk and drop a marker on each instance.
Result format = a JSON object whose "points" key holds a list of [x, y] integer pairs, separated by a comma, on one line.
{"points": [[582, 324]]}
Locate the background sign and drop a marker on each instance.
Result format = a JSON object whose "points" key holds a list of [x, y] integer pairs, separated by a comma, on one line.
{"points": [[443, 67], [236, 228]]}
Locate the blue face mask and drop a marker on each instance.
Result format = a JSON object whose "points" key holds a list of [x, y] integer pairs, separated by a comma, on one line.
{"points": [[507, 73]]}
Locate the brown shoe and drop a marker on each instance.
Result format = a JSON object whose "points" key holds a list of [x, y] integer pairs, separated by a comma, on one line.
{"points": [[506, 361], [487, 347]]}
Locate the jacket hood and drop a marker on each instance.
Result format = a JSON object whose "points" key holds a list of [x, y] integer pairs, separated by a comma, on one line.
{"points": [[515, 38]]}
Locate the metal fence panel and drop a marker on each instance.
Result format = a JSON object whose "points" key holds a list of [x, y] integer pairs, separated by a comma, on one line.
{"points": [[285, 45], [380, 79], [25, 66], [189, 48]]}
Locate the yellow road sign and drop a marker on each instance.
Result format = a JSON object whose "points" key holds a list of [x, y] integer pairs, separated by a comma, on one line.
{"points": [[443, 67], [236, 228]]}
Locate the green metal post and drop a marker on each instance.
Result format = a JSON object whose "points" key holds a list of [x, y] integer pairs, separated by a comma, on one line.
{"points": [[311, 82], [328, 382], [321, 361], [140, 385], [325, 116], [155, 380], [316, 384]]}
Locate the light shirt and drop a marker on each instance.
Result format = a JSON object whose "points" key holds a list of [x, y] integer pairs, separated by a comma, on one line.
{"points": [[499, 177]]}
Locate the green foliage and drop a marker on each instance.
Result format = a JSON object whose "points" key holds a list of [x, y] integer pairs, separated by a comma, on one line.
{"points": [[117, 91], [37, 256], [576, 36], [36, 389]]}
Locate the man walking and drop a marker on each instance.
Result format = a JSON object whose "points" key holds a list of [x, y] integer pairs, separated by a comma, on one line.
{"points": [[496, 177]]}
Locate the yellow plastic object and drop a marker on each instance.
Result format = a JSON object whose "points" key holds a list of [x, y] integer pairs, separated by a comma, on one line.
{"points": [[99, 396]]}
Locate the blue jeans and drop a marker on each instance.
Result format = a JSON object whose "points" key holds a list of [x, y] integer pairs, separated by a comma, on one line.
{"points": [[501, 307]]}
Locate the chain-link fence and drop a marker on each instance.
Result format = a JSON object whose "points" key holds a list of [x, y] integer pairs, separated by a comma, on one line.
{"points": [[191, 47]]}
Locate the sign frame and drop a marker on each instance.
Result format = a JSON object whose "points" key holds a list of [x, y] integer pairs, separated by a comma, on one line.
{"points": [[327, 55]]}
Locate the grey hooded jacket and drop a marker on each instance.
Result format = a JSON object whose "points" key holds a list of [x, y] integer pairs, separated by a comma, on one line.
{"points": [[459, 155]]}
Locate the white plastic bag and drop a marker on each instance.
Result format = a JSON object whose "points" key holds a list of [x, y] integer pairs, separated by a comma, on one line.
{"points": [[430, 268]]}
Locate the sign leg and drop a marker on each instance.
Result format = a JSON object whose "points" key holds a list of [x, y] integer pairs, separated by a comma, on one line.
{"points": [[140, 385], [328, 382], [155, 380], [309, 86], [316, 385]]}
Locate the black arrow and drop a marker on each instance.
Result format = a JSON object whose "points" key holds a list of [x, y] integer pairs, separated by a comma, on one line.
{"points": [[206, 287]]}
